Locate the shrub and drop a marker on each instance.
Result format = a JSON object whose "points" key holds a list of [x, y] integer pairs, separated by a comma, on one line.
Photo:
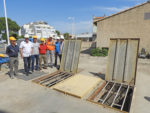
{"points": [[99, 52]]}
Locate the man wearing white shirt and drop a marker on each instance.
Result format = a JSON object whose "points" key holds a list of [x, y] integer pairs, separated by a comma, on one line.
{"points": [[26, 50]]}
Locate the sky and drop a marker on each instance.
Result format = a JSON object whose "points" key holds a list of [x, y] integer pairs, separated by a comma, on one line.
{"points": [[57, 12]]}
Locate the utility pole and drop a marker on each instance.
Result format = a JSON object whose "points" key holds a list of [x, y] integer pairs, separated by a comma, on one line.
{"points": [[7, 30], [72, 18]]}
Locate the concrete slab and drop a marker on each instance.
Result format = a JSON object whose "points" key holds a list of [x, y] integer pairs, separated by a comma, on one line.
{"points": [[78, 85]]}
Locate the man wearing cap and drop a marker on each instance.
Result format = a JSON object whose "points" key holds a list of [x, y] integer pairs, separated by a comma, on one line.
{"points": [[35, 55], [42, 53], [57, 44], [26, 50], [12, 51], [50, 50]]}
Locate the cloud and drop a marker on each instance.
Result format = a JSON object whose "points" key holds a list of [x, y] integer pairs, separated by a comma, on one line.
{"points": [[79, 27], [111, 9]]}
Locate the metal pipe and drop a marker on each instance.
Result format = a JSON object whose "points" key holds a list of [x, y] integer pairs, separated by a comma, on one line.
{"points": [[125, 98], [116, 95], [108, 93], [7, 30]]}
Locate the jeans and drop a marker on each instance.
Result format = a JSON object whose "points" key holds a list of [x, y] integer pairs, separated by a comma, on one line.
{"points": [[51, 53], [27, 61], [56, 55], [35, 57], [13, 64]]}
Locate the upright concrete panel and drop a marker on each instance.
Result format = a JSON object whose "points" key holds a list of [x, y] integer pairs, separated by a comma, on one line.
{"points": [[120, 60], [76, 55], [111, 60], [65, 50], [70, 58], [130, 67]]}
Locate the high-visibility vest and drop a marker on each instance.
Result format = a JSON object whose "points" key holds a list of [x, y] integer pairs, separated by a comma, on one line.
{"points": [[50, 45]]}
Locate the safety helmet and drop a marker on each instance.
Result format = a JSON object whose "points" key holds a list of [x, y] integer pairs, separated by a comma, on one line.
{"points": [[61, 37], [12, 38], [26, 36], [42, 39], [34, 36]]}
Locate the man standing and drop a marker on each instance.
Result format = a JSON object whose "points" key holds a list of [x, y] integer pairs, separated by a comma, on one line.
{"points": [[57, 44], [35, 55], [61, 46], [12, 51], [50, 50], [26, 50], [42, 51]]}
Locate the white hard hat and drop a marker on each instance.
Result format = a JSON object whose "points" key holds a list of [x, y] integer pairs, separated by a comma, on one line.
{"points": [[26, 36], [51, 35], [57, 38], [61, 37]]}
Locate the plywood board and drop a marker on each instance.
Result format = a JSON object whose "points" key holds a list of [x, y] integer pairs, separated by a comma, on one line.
{"points": [[78, 85]]}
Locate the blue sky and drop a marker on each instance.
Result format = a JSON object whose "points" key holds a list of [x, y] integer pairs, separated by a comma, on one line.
{"points": [[56, 12]]}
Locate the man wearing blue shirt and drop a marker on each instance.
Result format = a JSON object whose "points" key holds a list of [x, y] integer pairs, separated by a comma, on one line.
{"points": [[57, 45], [12, 51]]}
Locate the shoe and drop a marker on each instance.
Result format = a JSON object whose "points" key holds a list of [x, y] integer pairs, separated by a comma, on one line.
{"points": [[27, 74], [16, 74], [30, 72], [12, 77], [51, 66], [44, 67]]}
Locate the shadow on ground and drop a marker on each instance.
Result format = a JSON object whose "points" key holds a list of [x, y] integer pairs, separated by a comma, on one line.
{"points": [[31, 76], [4, 111], [147, 98], [102, 76]]}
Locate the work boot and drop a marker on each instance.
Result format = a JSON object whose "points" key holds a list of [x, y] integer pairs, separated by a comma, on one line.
{"points": [[12, 77], [27, 74], [16, 74]]}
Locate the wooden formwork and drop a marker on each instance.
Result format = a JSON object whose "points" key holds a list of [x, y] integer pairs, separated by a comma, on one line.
{"points": [[68, 66], [120, 76]]}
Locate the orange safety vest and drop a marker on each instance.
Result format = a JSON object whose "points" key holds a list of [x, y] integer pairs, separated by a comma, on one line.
{"points": [[50, 45]]}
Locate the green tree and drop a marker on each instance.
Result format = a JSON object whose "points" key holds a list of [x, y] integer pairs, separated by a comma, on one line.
{"points": [[58, 32], [13, 27], [66, 35]]}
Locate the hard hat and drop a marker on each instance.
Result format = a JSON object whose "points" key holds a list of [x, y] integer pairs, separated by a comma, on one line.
{"points": [[26, 36], [61, 37], [51, 35], [34, 36], [12, 38], [42, 39], [2, 55], [57, 38]]}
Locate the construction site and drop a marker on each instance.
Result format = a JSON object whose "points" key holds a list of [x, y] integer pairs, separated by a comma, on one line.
{"points": [[115, 83]]}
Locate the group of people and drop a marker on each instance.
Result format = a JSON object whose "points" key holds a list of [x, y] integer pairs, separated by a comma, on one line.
{"points": [[33, 53]]}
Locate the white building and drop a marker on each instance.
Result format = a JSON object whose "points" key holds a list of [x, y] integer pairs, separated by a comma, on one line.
{"points": [[85, 36], [39, 28]]}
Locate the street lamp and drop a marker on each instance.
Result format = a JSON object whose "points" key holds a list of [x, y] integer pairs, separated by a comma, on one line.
{"points": [[7, 31], [72, 18]]}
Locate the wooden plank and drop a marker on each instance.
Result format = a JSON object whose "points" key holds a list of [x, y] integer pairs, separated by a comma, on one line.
{"points": [[131, 63], [78, 85], [120, 61], [111, 60], [97, 91], [45, 77]]}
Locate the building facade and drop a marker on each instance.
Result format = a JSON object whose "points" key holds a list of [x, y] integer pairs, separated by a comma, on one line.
{"points": [[130, 23], [39, 28]]}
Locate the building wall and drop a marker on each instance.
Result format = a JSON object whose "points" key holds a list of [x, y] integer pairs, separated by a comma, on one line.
{"points": [[129, 24]]}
